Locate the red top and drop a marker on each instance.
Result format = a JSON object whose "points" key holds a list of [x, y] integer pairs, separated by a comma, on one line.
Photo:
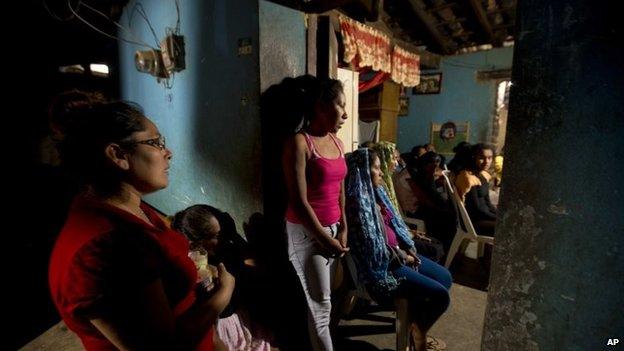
{"points": [[324, 177], [104, 255]]}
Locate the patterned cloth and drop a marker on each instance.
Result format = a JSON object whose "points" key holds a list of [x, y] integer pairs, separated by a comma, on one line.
{"points": [[385, 150], [397, 224], [237, 337], [366, 235]]}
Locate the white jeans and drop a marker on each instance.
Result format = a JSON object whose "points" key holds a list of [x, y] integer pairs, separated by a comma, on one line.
{"points": [[315, 273]]}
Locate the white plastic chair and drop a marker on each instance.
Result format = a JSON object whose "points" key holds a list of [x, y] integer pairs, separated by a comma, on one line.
{"points": [[402, 318], [469, 233]]}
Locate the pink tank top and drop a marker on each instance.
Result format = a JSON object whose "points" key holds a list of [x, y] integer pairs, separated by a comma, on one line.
{"points": [[324, 177]]}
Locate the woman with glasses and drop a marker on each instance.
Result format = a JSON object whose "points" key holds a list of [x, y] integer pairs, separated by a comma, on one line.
{"points": [[120, 278]]}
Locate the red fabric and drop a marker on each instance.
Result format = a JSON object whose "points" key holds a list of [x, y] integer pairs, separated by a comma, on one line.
{"points": [[405, 67], [103, 255], [324, 179], [365, 46], [378, 79]]}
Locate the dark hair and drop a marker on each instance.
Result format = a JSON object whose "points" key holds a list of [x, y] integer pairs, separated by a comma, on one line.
{"points": [[462, 158], [461, 146], [427, 158], [61, 107], [476, 150], [415, 149], [367, 144], [89, 127], [317, 90], [194, 222], [372, 154]]}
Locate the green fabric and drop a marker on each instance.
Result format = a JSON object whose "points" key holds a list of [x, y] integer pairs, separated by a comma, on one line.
{"points": [[385, 149]]}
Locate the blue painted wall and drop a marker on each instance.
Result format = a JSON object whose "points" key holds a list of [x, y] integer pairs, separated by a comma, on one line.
{"points": [[282, 43], [462, 98], [210, 116]]}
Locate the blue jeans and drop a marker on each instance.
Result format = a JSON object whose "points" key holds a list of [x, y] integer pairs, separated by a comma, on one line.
{"points": [[427, 290]]}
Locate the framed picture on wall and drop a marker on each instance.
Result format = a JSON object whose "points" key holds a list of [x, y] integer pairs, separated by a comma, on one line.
{"points": [[403, 105], [446, 136], [430, 83]]}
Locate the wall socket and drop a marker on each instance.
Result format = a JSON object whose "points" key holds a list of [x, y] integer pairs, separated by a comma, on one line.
{"points": [[173, 53]]}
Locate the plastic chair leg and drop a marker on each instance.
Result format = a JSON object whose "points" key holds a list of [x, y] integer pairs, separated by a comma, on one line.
{"points": [[459, 238]]}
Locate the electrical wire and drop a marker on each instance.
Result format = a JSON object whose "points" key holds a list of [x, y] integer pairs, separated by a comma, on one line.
{"points": [[140, 43], [141, 10], [118, 25], [53, 15], [177, 27]]}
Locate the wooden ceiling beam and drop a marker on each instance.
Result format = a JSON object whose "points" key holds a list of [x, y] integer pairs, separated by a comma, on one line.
{"points": [[462, 34], [419, 9], [483, 20], [454, 20], [442, 7], [313, 6], [503, 26], [501, 10]]}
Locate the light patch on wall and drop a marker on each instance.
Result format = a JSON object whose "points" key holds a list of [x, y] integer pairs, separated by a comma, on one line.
{"points": [[99, 69], [72, 69]]}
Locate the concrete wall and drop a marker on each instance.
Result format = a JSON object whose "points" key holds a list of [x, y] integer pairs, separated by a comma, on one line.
{"points": [[210, 116], [462, 98], [557, 266], [282, 43]]}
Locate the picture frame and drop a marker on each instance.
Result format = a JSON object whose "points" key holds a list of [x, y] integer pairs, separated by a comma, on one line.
{"points": [[445, 136], [430, 83], [403, 105]]}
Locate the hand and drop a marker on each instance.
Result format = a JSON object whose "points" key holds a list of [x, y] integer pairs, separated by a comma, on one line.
{"points": [[335, 248], [414, 261], [410, 260], [423, 236], [342, 237], [226, 280]]}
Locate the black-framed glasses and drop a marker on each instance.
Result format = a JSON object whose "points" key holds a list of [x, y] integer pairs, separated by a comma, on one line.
{"points": [[159, 142]]}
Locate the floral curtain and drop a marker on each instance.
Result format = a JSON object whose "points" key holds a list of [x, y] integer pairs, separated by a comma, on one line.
{"points": [[405, 67], [368, 47], [365, 46]]}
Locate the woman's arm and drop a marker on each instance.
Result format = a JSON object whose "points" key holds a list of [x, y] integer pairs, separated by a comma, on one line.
{"points": [[294, 162], [462, 184], [342, 227], [146, 322]]}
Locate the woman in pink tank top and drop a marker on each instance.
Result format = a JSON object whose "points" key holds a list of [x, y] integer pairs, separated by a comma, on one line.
{"points": [[314, 169]]}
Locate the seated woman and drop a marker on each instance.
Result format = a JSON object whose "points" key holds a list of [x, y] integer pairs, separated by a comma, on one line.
{"points": [[384, 252], [429, 247], [210, 230], [119, 277], [434, 204], [473, 187]]}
